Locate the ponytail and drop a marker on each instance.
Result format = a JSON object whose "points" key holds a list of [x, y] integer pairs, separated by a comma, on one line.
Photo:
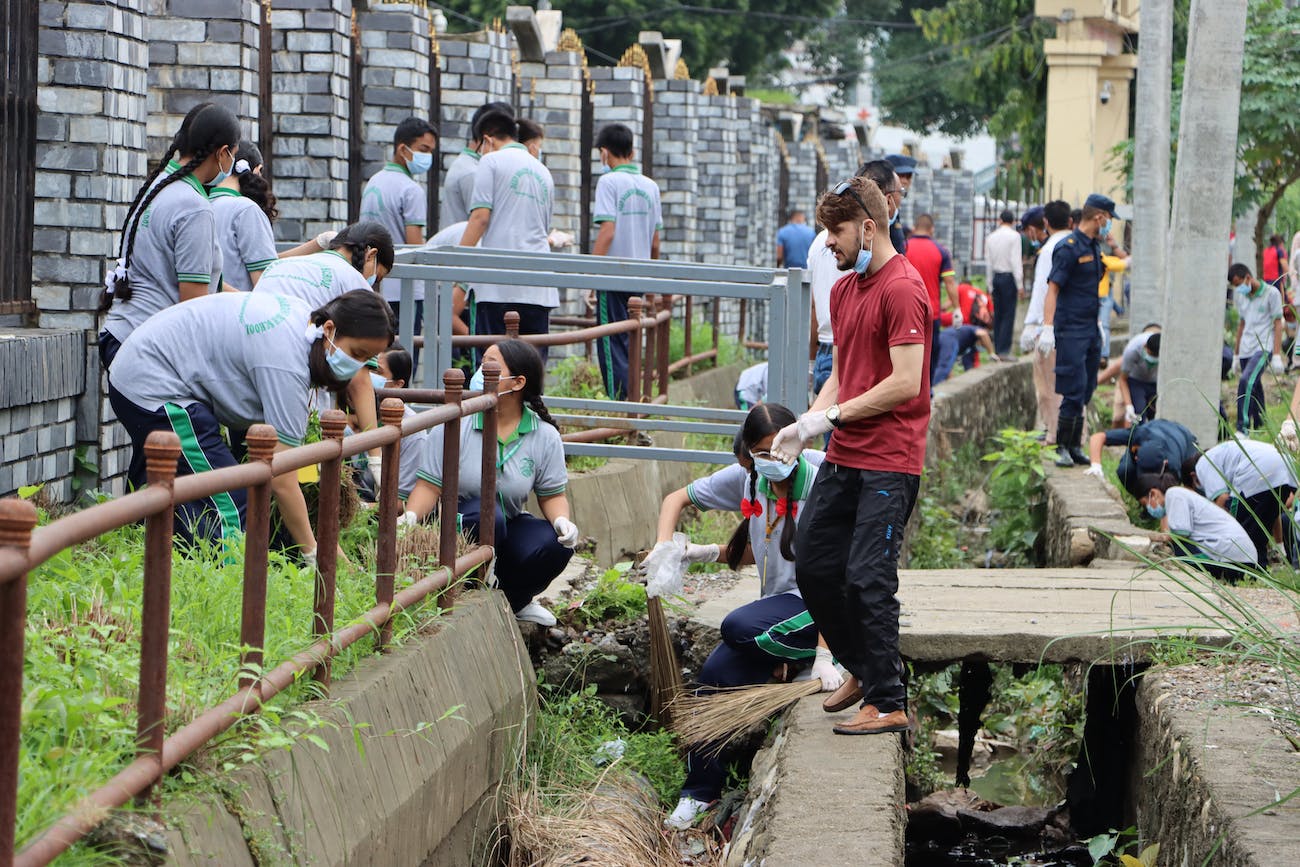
{"points": [[252, 185]]}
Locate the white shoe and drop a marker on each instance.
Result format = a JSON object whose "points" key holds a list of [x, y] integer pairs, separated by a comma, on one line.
{"points": [[534, 613], [688, 811]]}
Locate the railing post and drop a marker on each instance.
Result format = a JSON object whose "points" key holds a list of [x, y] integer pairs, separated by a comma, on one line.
{"points": [[665, 335], [717, 327], [332, 422], [17, 518], [453, 383], [391, 411], [744, 306], [687, 342], [512, 324], [634, 343], [487, 523], [261, 441], [651, 334], [162, 450]]}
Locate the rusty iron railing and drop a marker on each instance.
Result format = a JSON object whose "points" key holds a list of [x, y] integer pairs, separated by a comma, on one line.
{"points": [[24, 547]]}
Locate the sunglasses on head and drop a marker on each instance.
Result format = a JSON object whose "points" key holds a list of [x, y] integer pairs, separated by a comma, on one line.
{"points": [[845, 188]]}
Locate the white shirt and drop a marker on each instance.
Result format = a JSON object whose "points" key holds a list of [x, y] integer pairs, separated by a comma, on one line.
{"points": [[1213, 530], [823, 272], [1042, 268], [1002, 254]]}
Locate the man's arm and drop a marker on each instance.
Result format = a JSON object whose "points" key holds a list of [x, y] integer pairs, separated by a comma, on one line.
{"points": [[901, 385], [830, 393], [780, 254], [604, 239], [812, 336], [950, 283], [1236, 346], [654, 245], [1049, 304], [414, 234], [1121, 385], [1277, 336], [477, 225]]}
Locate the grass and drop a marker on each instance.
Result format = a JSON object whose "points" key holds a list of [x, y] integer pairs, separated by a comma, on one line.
{"points": [[82, 662]]}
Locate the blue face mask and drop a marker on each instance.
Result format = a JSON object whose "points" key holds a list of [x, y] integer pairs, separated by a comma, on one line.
{"points": [[1105, 230], [476, 381], [1150, 359], [378, 381], [342, 365], [894, 219], [371, 279], [222, 174], [1156, 512], [419, 163], [773, 471], [864, 254]]}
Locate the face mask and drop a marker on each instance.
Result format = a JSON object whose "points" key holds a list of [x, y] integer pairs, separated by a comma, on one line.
{"points": [[894, 219], [419, 163], [342, 365], [1105, 230], [1156, 512], [371, 279], [378, 381], [1150, 359], [864, 254], [1035, 244], [222, 174], [476, 381], [773, 471]]}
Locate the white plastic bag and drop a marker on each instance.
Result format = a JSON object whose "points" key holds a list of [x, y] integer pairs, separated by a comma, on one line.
{"points": [[664, 567]]}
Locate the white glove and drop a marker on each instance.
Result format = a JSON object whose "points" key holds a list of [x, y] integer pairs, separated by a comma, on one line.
{"points": [[408, 519], [1288, 436], [664, 566], [324, 238], [957, 319], [1046, 340], [1130, 414], [790, 441], [701, 553], [309, 557], [824, 670], [1095, 470], [376, 465], [1028, 338], [1277, 365], [566, 532]]}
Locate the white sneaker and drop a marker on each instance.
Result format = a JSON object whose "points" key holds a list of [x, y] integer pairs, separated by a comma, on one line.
{"points": [[688, 811], [534, 613]]}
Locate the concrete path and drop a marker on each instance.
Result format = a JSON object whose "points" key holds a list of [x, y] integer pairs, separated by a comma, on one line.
{"points": [[1025, 615]]}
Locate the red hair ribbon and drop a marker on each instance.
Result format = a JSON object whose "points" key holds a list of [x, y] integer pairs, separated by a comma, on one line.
{"points": [[751, 508], [786, 506]]}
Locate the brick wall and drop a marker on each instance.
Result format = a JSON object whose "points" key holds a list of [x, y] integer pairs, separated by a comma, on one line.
{"points": [[45, 376], [395, 79], [677, 137]]}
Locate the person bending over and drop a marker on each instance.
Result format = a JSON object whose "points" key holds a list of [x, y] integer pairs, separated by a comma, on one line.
{"points": [[1199, 531]]}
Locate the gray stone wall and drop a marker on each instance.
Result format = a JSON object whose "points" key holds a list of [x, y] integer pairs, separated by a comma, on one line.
{"points": [[677, 135], [395, 78], [803, 178], [963, 222], [45, 377], [715, 203]]}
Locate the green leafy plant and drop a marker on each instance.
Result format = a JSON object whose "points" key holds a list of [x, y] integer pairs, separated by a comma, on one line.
{"points": [[613, 598], [1016, 493]]}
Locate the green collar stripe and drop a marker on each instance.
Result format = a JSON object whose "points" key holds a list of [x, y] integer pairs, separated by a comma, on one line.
{"points": [[473, 154], [802, 482], [397, 167], [527, 424], [514, 144], [630, 168], [223, 191]]}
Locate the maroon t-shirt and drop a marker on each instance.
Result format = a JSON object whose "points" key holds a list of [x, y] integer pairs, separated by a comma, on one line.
{"points": [[869, 314]]}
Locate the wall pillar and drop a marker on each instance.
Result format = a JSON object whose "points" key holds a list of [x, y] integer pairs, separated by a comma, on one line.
{"points": [[395, 81], [677, 131], [1151, 162], [715, 206]]}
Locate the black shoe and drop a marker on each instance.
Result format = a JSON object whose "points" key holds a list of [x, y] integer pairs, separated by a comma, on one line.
{"points": [[1063, 457], [1079, 458]]}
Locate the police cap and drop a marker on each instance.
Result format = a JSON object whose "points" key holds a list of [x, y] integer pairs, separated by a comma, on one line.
{"points": [[1101, 203], [903, 165]]}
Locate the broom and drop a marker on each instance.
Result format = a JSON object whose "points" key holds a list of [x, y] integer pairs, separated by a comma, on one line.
{"points": [[665, 671], [716, 720]]}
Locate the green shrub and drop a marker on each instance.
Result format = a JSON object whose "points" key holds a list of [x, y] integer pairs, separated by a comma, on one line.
{"points": [[1016, 493], [613, 598]]}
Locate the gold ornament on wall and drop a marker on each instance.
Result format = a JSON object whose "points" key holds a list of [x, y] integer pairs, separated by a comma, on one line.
{"points": [[570, 40], [710, 87], [681, 72]]}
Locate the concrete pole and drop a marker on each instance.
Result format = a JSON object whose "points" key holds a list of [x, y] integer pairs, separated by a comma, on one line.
{"points": [[1151, 163], [1243, 250], [1202, 217]]}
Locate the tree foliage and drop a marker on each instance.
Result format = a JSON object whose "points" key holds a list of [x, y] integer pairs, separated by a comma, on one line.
{"points": [[747, 34]]}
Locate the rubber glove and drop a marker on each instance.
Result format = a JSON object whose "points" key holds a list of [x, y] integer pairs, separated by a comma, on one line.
{"points": [[1287, 435], [408, 519], [566, 532], [376, 467], [957, 319], [324, 238], [1277, 365], [1095, 470], [664, 565], [1028, 338], [1130, 415], [824, 670], [790, 441], [701, 553], [309, 557], [1046, 340]]}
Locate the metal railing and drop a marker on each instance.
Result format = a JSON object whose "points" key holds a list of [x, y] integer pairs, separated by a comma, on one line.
{"points": [[24, 548]]}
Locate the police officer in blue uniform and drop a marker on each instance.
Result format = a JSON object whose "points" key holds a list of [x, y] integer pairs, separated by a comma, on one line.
{"points": [[904, 167], [1070, 323]]}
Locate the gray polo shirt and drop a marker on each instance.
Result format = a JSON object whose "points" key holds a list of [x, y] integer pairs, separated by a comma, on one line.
{"points": [[530, 460], [630, 201], [1133, 364], [458, 188], [241, 354], [175, 242], [245, 235], [1258, 312], [728, 486], [1212, 529], [1243, 468], [395, 200], [317, 278], [412, 449], [521, 195]]}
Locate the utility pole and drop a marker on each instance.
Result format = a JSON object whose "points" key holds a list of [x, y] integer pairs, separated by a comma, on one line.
{"points": [[1151, 163], [1202, 217]]}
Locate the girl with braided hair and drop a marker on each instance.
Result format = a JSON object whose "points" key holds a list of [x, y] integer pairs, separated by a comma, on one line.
{"points": [[531, 551], [244, 208], [169, 251], [769, 637]]}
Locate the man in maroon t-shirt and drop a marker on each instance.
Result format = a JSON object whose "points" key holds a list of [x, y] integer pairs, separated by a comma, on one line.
{"points": [[934, 263], [876, 406]]}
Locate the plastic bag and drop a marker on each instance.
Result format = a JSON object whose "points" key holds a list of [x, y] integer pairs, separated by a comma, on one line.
{"points": [[664, 567]]}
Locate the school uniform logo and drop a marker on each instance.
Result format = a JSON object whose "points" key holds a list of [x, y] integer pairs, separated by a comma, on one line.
{"points": [[635, 201], [526, 468], [528, 184]]}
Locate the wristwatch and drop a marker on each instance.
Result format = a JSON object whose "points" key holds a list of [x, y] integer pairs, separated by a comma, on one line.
{"points": [[833, 415]]}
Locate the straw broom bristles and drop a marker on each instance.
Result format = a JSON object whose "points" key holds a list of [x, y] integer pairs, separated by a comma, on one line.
{"points": [[665, 671], [719, 718]]}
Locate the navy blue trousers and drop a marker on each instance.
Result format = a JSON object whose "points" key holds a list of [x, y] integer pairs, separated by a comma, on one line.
{"points": [[396, 307], [1250, 392], [202, 448], [489, 317], [611, 351], [1143, 395], [1078, 354], [1004, 311], [755, 639], [529, 556]]}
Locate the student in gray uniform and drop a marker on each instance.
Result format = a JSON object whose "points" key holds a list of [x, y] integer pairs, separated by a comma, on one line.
{"points": [[530, 551], [630, 219], [1137, 377], [532, 136], [1198, 530], [392, 369], [238, 359], [1252, 480], [458, 187], [169, 251], [511, 210], [395, 200], [244, 208], [774, 631]]}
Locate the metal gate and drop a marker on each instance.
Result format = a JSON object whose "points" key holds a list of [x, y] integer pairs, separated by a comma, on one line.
{"points": [[435, 115], [18, 36], [356, 124], [586, 139], [265, 116]]}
